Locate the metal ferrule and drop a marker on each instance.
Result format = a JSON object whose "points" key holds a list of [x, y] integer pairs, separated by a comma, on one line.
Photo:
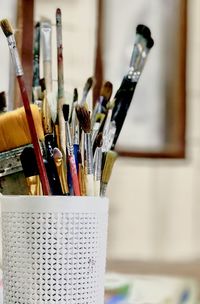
{"points": [[15, 55], [134, 71], [103, 189], [46, 37], [97, 163], [70, 149], [108, 140], [88, 149]]}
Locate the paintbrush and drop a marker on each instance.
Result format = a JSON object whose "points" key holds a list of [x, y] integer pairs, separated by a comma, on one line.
{"points": [[31, 172], [5, 25], [46, 41], [61, 100], [45, 111], [126, 90], [70, 152], [52, 173], [36, 65], [97, 126], [81, 175], [83, 116], [86, 90], [97, 164], [110, 158], [100, 105], [58, 159], [2, 102]]}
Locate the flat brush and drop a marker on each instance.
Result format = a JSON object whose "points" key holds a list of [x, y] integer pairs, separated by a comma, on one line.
{"points": [[126, 90], [110, 158], [31, 172], [83, 116], [70, 152], [5, 25]]}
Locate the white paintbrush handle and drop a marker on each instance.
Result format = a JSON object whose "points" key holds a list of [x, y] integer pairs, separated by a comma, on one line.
{"points": [[97, 185], [90, 185]]}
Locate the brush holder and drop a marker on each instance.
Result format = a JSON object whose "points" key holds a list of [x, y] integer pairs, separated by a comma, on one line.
{"points": [[54, 249]]}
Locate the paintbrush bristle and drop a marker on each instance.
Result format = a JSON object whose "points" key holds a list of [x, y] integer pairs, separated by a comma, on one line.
{"points": [[29, 163], [88, 85], [143, 30], [75, 96], [2, 100], [106, 90], [108, 165], [150, 43], [83, 116], [79, 156], [99, 140], [66, 112], [6, 27], [43, 84]]}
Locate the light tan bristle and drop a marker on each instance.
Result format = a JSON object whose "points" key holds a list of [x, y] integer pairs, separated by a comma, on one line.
{"points": [[106, 90], [83, 116], [6, 27], [109, 162]]}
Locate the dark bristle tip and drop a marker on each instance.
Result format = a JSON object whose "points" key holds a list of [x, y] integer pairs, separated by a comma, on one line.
{"points": [[28, 161], [58, 11], [37, 24], [66, 111], [150, 43], [2, 100], [79, 157], [75, 98], [143, 30], [99, 140], [6, 27], [42, 84]]}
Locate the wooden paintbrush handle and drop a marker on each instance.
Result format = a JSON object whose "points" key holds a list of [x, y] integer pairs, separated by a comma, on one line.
{"points": [[38, 154]]}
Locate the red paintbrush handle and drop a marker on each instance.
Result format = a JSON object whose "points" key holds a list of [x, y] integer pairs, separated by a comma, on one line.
{"points": [[34, 137], [74, 175]]}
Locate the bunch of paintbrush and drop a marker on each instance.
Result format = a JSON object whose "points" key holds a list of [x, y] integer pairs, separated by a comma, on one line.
{"points": [[78, 154]]}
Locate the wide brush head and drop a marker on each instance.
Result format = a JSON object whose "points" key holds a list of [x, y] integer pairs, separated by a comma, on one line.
{"points": [[29, 163], [106, 90], [65, 112], [83, 116], [6, 27], [14, 128]]}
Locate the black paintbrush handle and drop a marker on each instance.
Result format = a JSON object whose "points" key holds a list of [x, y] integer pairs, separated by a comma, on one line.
{"points": [[123, 99], [51, 169]]}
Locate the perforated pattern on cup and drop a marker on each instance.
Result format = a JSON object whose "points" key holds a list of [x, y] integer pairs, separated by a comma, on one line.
{"points": [[54, 257]]}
